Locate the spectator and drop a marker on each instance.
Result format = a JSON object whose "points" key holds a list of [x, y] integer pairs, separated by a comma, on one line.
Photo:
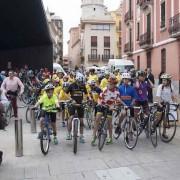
{"points": [[150, 76], [10, 87]]}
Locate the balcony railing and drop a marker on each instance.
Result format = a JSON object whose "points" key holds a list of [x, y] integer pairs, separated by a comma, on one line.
{"points": [[144, 3], [128, 48], [93, 57], [128, 16], [174, 26], [106, 57], [146, 40]]}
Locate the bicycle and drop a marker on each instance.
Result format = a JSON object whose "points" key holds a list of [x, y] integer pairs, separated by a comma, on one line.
{"points": [[167, 123], [75, 131], [128, 127], [102, 130], [45, 134], [88, 114], [36, 112]]}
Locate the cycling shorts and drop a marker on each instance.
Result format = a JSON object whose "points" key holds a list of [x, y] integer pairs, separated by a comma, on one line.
{"points": [[52, 115], [80, 111], [100, 110]]}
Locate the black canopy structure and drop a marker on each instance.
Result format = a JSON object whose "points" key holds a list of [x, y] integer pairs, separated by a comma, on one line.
{"points": [[24, 35]]}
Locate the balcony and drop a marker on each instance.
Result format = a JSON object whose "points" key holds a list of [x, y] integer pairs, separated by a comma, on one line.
{"points": [[174, 26], [128, 17], [146, 40], [93, 57], [144, 3], [106, 57], [128, 48]]}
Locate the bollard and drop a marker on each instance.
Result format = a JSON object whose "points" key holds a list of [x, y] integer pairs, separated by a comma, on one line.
{"points": [[33, 122], [18, 138]]}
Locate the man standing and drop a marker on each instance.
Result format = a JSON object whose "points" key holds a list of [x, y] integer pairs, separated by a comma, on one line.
{"points": [[10, 87], [150, 76]]}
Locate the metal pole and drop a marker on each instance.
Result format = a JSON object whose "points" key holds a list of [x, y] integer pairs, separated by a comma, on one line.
{"points": [[18, 138], [33, 122]]}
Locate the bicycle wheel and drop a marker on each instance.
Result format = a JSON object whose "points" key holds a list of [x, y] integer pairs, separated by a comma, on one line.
{"points": [[88, 118], [8, 113], [28, 115], [130, 133], [116, 130], [152, 131], [45, 141], [75, 134], [167, 128], [102, 135]]}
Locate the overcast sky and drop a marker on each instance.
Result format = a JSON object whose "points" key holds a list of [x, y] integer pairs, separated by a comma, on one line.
{"points": [[70, 12]]}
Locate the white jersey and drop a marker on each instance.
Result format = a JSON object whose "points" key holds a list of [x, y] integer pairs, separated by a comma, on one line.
{"points": [[165, 93]]}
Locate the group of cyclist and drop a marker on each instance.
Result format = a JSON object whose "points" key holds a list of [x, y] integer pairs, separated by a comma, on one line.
{"points": [[126, 88]]}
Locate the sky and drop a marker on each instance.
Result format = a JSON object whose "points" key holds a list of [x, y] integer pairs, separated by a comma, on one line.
{"points": [[70, 12]]}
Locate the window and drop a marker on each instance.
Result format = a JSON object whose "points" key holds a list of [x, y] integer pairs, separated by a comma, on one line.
{"points": [[138, 62], [106, 53], [102, 27], [106, 41], [148, 54], [93, 41], [119, 25], [163, 14], [163, 60], [138, 31], [93, 53]]}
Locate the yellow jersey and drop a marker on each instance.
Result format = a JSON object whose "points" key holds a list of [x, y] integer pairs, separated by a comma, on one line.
{"points": [[104, 83], [63, 96]]}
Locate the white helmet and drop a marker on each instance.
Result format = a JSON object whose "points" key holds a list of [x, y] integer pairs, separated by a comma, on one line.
{"points": [[93, 82], [166, 76], [80, 78], [126, 76], [48, 87]]}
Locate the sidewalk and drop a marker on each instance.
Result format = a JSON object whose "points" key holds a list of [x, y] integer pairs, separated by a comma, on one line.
{"points": [[115, 162]]}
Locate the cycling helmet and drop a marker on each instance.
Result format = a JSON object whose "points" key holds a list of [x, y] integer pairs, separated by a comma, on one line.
{"points": [[112, 79], [48, 87], [166, 76], [79, 78], [126, 76], [93, 83], [3, 73], [30, 73], [141, 73], [66, 85]]}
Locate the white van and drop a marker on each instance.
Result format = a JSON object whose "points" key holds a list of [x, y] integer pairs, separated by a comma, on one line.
{"points": [[120, 64]]}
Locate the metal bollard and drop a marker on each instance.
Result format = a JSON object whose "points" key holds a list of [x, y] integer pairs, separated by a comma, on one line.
{"points": [[18, 138], [33, 122]]}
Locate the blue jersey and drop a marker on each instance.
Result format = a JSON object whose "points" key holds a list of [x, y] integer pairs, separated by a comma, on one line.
{"points": [[127, 94]]}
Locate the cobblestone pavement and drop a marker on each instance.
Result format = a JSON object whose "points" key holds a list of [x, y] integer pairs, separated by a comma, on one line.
{"points": [[115, 162]]}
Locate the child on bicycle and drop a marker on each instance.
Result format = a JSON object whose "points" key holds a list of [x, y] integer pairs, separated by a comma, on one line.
{"points": [[165, 94], [128, 96], [49, 103], [63, 96], [109, 97]]}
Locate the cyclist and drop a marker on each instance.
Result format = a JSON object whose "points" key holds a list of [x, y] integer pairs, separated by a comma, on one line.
{"points": [[108, 97], [77, 91], [92, 75], [128, 96], [141, 86], [71, 77], [49, 102], [10, 87], [118, 76], [63, 96], [165, 94], [104, 81]]}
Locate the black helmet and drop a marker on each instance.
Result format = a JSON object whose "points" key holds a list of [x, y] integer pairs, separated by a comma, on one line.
{"points": [[141, 73]]}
